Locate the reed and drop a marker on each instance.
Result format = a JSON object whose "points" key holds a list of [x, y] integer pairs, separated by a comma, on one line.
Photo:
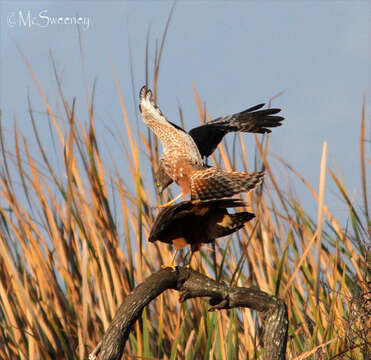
{"points": [[73, 245]]}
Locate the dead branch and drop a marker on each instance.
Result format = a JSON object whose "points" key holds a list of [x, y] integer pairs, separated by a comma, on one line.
{"points": [[192, 284]]}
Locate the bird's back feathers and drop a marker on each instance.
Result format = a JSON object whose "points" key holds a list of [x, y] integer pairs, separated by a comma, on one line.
{"points": [[169, 216]]}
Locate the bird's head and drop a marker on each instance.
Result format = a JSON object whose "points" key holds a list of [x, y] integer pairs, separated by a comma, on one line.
{"points": [[162, 180]]}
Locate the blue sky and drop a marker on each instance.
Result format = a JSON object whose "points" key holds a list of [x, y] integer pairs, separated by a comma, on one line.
{"points": [[237, 54]]}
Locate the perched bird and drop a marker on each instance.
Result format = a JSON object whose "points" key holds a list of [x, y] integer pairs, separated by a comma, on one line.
{"points": [[182, 160], [209, 135], [197, 223]]}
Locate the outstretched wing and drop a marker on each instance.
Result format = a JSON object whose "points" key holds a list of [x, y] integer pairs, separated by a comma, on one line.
{"points": [[208, 136], [174, 139], [216, 183]]}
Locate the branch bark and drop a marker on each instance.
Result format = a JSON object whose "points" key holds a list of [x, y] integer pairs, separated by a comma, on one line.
{"points": [[192, 284]]}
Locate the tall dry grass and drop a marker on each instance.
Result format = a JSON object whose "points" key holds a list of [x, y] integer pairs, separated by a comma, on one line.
{"points": [[73, 244]]}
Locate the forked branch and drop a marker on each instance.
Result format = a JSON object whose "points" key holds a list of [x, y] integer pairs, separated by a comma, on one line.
{"points": [[192, 284]]}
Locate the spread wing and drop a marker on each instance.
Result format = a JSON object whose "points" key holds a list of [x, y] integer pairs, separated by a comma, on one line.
{"points": [[215, 183], [208, 136], [172, 137]]}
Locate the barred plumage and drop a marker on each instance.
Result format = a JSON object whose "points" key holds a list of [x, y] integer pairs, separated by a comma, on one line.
{"points": [[209, 135], [211, 183], [173, 139], [182, 161]]}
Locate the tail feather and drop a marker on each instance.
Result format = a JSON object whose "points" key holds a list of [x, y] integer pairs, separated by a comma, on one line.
{"points": [[214, 183], [232, 223], [241, 218]]}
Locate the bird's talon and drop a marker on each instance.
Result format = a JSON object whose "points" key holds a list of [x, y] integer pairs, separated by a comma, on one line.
{"points": [[169, 266], [165, 205], [171, 202]]}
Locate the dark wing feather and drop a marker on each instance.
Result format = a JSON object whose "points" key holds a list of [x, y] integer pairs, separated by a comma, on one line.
{"points": [[169, 215], [176, 126], [219, 203], [208, 136], [250, 121], [234, 223], [165, 219]]}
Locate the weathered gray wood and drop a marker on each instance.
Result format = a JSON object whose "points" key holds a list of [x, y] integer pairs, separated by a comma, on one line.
{"points": [[192, 284]]}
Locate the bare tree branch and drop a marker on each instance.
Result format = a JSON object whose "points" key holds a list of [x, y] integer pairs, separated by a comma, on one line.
{"points": [[192, 284]]}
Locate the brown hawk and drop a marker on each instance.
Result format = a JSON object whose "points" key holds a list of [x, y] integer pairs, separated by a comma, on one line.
{"points": [[209, 135], [182, 160], [197, 223]]}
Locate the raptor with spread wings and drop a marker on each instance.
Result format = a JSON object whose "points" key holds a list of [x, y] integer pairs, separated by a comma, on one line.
{"points": [[209, 135], [197, 223], [182, 160]]}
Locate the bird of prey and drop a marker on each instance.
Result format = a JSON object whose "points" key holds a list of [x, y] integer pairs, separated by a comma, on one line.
{"points": [[182, 160], [197, 223], [209, 135]]}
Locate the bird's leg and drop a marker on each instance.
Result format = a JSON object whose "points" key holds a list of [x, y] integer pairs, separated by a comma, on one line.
{"points": [[171, 264], [190, 259], [171, 202], [194, 247]]}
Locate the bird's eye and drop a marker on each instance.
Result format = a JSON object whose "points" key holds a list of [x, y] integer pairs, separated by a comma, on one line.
{"points": [[158, 184]]}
